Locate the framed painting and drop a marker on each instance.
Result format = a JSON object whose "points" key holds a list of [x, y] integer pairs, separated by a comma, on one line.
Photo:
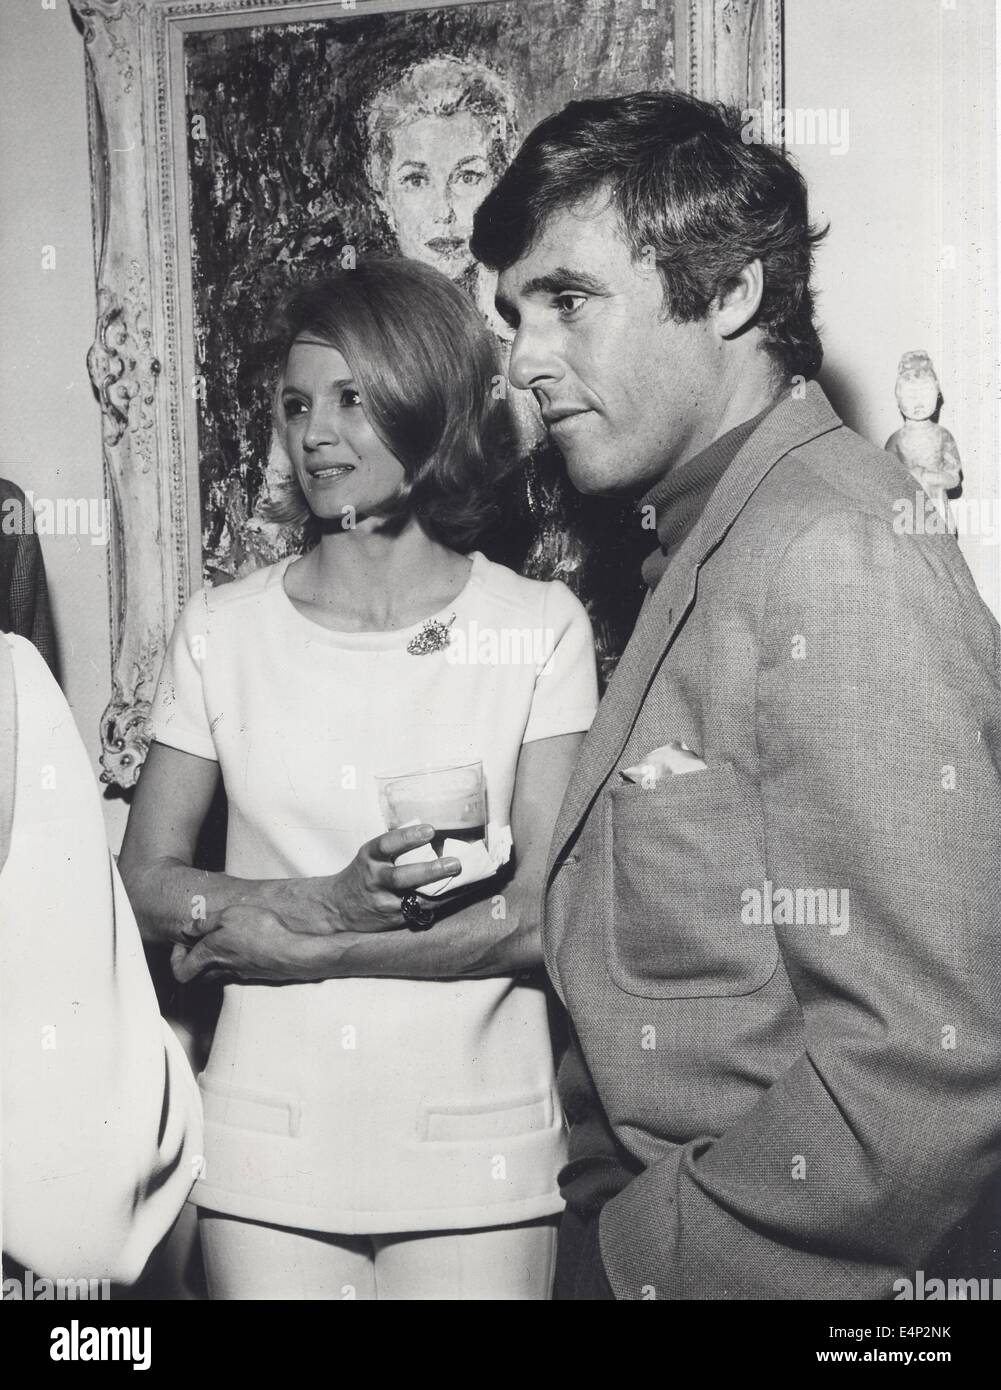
{"points": [[240, 145]]}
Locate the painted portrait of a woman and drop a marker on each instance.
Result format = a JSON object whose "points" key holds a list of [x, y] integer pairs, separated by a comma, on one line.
{"points": [[439, 137]]}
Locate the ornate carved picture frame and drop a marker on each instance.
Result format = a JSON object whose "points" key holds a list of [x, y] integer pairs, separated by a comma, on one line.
{"points": [[145, 360]]}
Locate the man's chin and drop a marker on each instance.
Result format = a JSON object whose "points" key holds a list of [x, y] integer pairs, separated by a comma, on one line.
{"points": [[595, 477]]}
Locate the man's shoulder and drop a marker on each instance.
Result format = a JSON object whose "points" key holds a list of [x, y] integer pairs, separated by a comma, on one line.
{"points": [[10, 490], [834, 473], [834, 503], [835, 510]]}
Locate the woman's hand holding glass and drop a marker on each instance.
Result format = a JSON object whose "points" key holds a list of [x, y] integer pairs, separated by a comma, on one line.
{"points": [[366, 896]]}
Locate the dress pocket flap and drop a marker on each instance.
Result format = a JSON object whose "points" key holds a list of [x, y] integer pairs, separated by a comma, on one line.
{"points": [[469, 1123], [233, 1107]]}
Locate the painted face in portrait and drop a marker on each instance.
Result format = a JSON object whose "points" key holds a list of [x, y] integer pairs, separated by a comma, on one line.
{"points": [[439, 171], [438, 140]]}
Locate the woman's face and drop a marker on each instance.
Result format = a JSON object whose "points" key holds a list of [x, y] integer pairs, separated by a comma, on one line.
{"points": [[341, 464], [438, 175]]}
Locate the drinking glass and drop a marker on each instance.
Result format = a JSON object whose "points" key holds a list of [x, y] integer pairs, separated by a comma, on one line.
{"points": [[451, 799]]}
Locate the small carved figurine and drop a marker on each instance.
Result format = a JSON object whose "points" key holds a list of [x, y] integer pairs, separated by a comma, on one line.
{"points": [[928, 450]]}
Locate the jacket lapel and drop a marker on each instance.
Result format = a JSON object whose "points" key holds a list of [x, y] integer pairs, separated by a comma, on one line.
{"points": [[790, 424]]}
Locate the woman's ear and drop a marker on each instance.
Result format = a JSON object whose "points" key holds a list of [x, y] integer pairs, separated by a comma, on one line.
{"points": [[737, 305]]}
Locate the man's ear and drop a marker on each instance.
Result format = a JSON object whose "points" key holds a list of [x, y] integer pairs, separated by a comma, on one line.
{"points": [[737, 305]]}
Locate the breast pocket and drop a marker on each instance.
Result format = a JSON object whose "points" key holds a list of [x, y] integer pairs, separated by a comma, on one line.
{"points": [[682, 857]]}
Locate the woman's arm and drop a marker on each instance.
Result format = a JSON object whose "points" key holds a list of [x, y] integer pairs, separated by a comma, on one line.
{"points": [[496, 935], [172, 900]]}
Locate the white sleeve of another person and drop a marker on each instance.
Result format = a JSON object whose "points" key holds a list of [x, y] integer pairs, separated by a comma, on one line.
{"points": [[101, 1120]]}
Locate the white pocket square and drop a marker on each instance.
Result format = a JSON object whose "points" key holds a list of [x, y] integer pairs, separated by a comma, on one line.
{"points": [[673, 758]]}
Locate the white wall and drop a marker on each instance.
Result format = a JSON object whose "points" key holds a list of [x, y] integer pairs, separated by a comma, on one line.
{"points": [[50, 427], [910, 260], [915, 77]]}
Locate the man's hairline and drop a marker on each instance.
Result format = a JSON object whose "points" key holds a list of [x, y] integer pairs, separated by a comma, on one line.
{"points": [[560, 206], [635, 255]]}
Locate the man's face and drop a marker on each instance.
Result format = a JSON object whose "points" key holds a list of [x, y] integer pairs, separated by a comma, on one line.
{"points": [[626, 393]]}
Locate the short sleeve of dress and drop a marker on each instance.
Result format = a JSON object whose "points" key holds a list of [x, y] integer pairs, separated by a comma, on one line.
{"points": [[566, 683], [179, 717]]}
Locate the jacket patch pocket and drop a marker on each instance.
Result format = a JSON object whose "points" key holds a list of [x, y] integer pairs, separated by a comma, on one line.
{"points": [[683, 855], [232, 1107], [465, 1123]]}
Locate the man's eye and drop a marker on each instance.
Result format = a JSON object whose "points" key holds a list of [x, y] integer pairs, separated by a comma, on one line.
{"points": [[568, 304], [349, 396]]}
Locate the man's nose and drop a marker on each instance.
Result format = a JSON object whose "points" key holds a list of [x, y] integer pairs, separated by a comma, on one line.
{"points": [[533, 363]]}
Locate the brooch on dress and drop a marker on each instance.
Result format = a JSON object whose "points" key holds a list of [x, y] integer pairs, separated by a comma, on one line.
{"points": [[431, 637]]}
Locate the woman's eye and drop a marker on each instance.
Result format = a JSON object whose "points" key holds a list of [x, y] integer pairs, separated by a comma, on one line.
{"points": [[471, 178], [414, 180], [568, 304], [293, 408], [349, 396]]}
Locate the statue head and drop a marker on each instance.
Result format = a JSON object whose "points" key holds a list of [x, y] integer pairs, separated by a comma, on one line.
{"points": [[918, 393]]}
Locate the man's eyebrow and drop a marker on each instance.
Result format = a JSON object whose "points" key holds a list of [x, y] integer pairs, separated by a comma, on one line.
{"points": [[564, 278]]}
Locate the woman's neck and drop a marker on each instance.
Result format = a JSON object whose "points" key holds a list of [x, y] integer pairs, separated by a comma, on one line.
{"points": [[376, 578]]}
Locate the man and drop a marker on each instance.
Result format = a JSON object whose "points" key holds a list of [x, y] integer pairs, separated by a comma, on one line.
{"points": [[24, 594], [773, 892]]}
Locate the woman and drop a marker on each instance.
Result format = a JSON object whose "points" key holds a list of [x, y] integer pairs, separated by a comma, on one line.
{"points": [[385, 1124]]}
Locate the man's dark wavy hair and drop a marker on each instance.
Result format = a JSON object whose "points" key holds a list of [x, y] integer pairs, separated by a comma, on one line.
{"points": [[686, 184], [427, 369]]}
